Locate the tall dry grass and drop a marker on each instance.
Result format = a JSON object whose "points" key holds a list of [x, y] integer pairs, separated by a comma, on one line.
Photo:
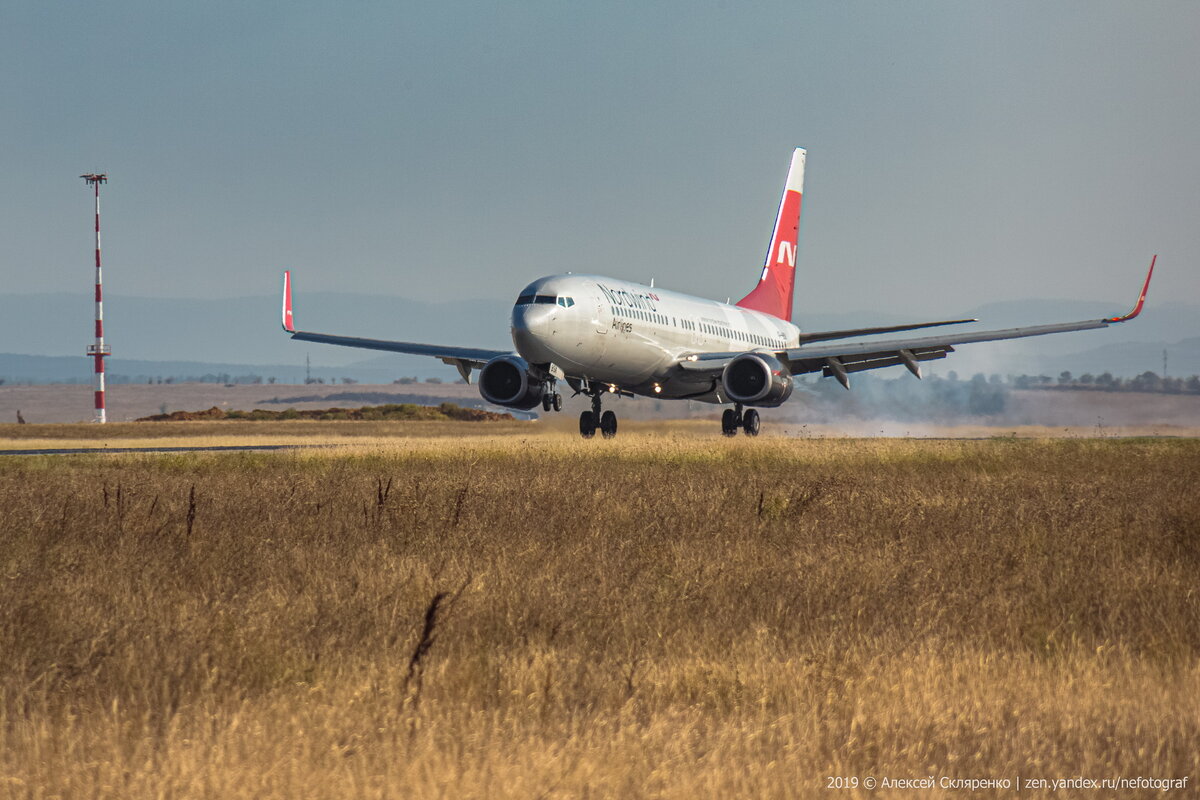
{"points": [[652, 616]]}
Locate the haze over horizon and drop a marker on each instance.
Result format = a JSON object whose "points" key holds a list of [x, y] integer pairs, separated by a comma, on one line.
{"points": [[959, 154]]}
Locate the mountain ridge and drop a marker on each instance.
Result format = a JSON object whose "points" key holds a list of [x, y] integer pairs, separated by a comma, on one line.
{"points": [[154, 337]]}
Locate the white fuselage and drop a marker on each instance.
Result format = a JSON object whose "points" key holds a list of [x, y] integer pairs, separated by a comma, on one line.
{"points": [[632, 337]]}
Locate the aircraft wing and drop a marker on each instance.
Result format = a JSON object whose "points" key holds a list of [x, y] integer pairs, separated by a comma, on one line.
{"points": [[464, 358], [825, 336], [838, 360]]}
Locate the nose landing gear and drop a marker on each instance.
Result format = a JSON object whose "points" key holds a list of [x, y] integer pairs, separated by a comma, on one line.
{"points": [[734, 418], [551, 399]]}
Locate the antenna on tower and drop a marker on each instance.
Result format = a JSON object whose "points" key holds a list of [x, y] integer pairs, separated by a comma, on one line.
{"points": [[99, 350]]}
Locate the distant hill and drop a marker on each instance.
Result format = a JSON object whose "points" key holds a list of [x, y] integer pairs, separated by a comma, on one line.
{"points": [[244, 330], [1129, 358], [78, 369], [47, 333]]}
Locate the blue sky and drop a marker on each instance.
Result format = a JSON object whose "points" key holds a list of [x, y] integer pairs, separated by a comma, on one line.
{"points": [[958, 152]]}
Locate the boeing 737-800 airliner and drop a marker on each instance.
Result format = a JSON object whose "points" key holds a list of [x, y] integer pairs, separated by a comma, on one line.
{"points": [[607, 336]]}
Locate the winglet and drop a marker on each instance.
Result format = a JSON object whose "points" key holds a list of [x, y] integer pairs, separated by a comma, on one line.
{"points": [[288, 325], [1141, 301]]}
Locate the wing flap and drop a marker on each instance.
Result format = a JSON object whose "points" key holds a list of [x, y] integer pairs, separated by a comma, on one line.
{"points": [[865, 361]]}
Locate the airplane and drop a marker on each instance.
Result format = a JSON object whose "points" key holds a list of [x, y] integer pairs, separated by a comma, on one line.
{"points": [[601, 336]]}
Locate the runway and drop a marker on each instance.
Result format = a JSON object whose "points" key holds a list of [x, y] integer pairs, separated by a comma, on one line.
{"points": [[70, 451]]}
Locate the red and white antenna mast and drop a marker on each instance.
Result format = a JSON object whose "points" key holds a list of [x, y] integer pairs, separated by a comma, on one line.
{"points": [[98, 351]]}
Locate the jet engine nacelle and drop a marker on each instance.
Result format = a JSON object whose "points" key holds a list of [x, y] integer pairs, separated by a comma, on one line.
{"points": [[506, 381], [757, 379]]}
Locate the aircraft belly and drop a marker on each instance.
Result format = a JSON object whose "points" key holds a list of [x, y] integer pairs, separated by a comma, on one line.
{"points": [[632, 360], [614, 359]]}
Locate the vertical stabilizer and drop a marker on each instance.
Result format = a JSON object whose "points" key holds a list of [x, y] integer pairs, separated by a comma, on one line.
{"points": [[773, 294]]}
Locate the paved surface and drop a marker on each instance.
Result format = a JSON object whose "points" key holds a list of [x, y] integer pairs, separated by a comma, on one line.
{"points": [[67, 451]]}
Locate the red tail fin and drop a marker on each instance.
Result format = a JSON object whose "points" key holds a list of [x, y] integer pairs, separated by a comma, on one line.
{"points": [[773, 294]]}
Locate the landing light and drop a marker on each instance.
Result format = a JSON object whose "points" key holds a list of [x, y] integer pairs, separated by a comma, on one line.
{"points": [[612, 388], [657, 389]]}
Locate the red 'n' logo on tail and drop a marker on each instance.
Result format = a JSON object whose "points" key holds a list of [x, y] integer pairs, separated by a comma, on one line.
{"points": [[773, 294]]}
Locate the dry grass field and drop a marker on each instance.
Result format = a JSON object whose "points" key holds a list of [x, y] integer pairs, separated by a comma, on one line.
{"points": [[661, 615]]}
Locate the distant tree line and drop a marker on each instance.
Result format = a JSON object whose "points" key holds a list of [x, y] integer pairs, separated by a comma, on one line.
{"points": [[409, 380], [1105, 382], [209, 377]]}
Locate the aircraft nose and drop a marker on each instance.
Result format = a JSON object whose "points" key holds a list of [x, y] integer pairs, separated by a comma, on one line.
{"points": [[533, 319], [531, 327]]}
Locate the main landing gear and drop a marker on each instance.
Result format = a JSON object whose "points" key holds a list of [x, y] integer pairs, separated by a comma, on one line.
{"points": [[590, 420], [734, 418]]}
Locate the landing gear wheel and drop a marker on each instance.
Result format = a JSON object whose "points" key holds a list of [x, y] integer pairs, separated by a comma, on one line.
{"points": [[587, 425], [608, 424], [750, 422], [556, 403], [729, 422], [547, 399]]}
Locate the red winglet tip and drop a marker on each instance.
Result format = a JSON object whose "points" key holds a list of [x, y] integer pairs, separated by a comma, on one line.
{"points": [[288, 325], [1141, 301]]}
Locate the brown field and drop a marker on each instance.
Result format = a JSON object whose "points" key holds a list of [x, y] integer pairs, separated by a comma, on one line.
{"points": [[493, 614]]}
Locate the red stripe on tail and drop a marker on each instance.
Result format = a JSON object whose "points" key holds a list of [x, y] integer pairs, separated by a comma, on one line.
{"points": [[773, 294]]}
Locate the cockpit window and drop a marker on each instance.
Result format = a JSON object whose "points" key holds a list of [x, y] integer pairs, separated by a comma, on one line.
{"points": [[545, 299]]}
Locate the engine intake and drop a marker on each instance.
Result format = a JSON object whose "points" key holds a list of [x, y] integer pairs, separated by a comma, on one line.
{"points": [[506, 381], [757, 379]]}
